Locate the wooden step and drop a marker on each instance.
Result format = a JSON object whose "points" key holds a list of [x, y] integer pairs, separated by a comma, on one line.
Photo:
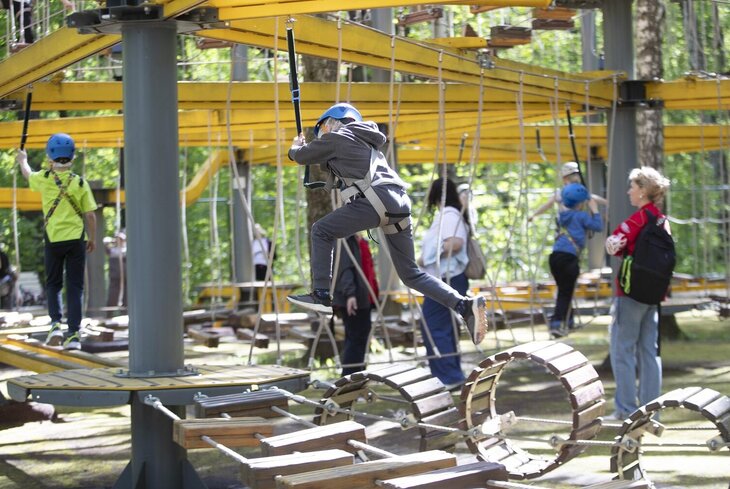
{"points": [[367, 474], [329, 436], [239, 432], [255, 403], [460, 477], [260, 473]]}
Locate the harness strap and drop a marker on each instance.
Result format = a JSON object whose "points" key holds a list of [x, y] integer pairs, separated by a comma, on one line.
{"points": [[363, 187], [62, 193]]}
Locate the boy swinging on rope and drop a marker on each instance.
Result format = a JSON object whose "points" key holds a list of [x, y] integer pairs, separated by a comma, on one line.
{"points": [[348, 148], [67, 203]]}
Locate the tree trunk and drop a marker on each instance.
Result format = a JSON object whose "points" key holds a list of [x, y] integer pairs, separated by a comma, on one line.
{"points": [[318, 201], [650, 17]]}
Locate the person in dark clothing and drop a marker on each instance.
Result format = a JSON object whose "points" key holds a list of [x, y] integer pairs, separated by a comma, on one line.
{"points": [[8, 277], [573, 222], [349, 149], [353, 302], [22, 9]]}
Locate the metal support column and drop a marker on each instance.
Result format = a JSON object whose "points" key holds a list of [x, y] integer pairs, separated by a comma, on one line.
{"points": [[242, 228], [95, 289], [623, 151], [596, 175], [153, 230]]}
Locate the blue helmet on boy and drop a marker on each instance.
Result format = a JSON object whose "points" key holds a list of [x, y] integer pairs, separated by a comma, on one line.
{"points": [[573, 194], [60, 146], [338, 111]]}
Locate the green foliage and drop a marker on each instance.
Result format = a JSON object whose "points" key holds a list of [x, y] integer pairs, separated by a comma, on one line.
{"points": [[503, 193]]}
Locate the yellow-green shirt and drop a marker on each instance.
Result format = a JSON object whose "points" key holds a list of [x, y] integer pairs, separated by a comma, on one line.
{"points": [[64, 224]]}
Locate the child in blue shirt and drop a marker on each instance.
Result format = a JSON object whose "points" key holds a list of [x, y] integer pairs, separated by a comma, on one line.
{"points": [[570, 241]]}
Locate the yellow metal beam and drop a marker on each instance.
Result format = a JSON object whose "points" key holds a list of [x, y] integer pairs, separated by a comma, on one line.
{"points": [[61, 49], [692, 93], [362, 46], [368, 97], [272, 8]]}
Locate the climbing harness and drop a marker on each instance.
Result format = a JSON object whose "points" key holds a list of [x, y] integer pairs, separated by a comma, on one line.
{"points": [[378, 174]]}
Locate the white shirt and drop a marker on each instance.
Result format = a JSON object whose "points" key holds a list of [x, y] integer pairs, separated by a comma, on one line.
{"points": [[260, 251], [453, 226]]}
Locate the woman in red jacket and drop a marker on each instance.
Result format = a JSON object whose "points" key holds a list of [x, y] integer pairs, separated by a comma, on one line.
{"points": [[634, 326]]}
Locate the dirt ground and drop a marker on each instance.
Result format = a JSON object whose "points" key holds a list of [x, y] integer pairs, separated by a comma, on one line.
{"points": [[90, 448]]}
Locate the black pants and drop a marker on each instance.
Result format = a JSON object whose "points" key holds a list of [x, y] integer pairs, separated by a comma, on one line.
{"points": [[357, 331], [71, 256], [564, 267], [260, 272], [24, 10]]}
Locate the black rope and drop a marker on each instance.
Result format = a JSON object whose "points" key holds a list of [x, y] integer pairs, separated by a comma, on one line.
{"points": [[26, 118]]}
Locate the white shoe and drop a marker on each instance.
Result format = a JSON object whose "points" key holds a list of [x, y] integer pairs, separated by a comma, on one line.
{"points": [[55, 335]]}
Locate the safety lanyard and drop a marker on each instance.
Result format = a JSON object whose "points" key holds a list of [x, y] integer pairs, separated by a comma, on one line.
{"points": [[62, 193]]}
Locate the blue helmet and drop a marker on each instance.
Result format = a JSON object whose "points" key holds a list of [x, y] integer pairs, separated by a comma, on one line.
{"points": [[338, 111], [60, 146], [573, 194]]}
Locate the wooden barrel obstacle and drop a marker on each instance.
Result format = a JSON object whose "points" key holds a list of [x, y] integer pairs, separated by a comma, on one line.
{"points": [[628, 450], [322, 455], [478, 407]]}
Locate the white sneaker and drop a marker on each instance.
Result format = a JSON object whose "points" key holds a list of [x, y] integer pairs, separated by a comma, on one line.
{"points": [[73, 342], [55, 335]]}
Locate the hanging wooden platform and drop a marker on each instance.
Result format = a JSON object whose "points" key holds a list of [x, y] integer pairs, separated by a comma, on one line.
{"points": [[113, 386]]}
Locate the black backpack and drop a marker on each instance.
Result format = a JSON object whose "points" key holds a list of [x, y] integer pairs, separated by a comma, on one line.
{"points": [[645, 275]]}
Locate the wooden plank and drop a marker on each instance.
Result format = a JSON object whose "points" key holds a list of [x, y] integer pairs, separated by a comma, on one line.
{"points": [[366, 474], [701, 399], [345, 399], [257, 403], [383, 372], [230, 432], [587, 432], [672, 398], [467, 475], [586, 395], [204, 337], [589, 413], [566, 363], [408, 377], [621, 484], [422, 389], [579, 377], [717, 408], [324, 437], [259, 340], [260, 473], [483, 385], [433, 404], [550, 353], [522, 351]]}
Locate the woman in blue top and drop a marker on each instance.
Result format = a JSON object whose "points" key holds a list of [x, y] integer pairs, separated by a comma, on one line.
{"points": [[573, 222]]}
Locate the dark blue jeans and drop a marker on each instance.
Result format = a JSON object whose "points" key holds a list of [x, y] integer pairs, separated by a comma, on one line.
{"points": [[437, 318], [70, 255]]}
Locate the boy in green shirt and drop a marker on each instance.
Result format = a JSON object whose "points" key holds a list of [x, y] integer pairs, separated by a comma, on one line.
{"points": [[67, 202]]}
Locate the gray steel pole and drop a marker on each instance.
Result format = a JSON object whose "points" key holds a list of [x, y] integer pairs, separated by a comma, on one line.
{"points": [[153, 230], [595, 175], [95, 289], [382, 20], [623, 150], [242, 228]]}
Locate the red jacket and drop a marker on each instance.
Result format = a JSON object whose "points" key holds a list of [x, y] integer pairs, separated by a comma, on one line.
{"points": [[631, 228]]}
